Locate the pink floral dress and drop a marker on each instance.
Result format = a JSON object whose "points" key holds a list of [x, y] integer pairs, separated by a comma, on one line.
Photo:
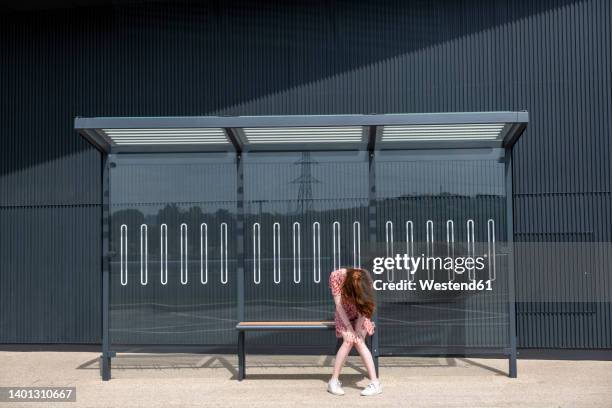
{"points": [[336, 279]]}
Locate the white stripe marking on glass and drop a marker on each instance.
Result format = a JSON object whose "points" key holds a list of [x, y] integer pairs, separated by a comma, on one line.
{"points": [[144, 254], [336, 244], [257, 253], [203, 253], [470, 248], [389, 248], [123, 255], [163, 245], [276, 252], [410, 245], [297, 253], [356, 245], [450, 247], [429, 228], [184, 247], [491, 249], [223, 263], [316, 251]]}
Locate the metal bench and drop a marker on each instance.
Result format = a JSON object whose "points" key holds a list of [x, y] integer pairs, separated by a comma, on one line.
{"points": [[243, 327]]}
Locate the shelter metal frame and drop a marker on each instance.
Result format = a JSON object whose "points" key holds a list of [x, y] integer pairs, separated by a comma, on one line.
{"points": [[453, 130]]}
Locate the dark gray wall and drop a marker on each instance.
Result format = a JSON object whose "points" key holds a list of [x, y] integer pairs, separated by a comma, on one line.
{"points": [[552, 58]]}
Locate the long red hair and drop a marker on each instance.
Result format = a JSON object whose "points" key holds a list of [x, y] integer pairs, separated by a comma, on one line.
{"points": [[357, 289]]}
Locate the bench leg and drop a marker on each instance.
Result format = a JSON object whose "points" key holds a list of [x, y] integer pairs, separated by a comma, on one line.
{"points": [[241, 365], [512, 365], [105, 366]]}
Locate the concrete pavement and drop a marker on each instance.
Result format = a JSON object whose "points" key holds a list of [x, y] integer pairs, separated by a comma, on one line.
{"points": [[190, 380]]}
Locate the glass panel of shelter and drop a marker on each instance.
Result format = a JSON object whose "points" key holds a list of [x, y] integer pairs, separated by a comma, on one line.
{"points": [[173, 222], [441, 204], [173, 233]]}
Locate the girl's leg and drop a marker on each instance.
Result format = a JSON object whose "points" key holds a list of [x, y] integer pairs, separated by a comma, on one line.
{"points": [[341, 356], [366, 357]]}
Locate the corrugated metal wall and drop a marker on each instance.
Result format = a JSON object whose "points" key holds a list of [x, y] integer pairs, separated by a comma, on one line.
{"points": [[552, 58]]}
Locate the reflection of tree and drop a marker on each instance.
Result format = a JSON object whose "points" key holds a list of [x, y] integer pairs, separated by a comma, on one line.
{"points": [[445, 206], [131, 217], [128, 216], [171, 213]]}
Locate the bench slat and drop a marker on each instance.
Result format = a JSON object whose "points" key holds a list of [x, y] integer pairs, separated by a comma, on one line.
{"points": [[292, 325]]}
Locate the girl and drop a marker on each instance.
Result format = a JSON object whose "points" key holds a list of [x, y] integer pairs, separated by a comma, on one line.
{"points": [[354, 298]]}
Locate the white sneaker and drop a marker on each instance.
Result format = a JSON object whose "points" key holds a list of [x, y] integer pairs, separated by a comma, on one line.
{"points": [[335, 387], [373, 388]]}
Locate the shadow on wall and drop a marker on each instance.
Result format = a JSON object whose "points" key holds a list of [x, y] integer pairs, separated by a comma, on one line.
{"points": [[199, 58]]}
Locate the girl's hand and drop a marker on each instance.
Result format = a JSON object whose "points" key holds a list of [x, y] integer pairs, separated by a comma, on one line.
{"points": [[349, 336], [362, 334], [358, 338]]}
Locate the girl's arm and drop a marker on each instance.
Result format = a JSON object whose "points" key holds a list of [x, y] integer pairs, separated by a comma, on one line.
{"points": [[344, 317]]}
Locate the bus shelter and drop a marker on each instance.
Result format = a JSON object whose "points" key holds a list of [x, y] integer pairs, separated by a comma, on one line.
{"points": [[210, 221]]}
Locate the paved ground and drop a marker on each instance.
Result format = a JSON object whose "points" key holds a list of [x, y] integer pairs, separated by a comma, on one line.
{"points": [[188, 380]]}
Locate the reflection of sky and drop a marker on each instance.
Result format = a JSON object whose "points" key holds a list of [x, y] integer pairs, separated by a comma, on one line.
{"points": [[468, 178], [315, 175], [149, 182], [464, 172]]}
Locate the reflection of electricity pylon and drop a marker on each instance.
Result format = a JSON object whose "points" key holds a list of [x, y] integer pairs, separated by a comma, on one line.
{"points": [[305, 180]]}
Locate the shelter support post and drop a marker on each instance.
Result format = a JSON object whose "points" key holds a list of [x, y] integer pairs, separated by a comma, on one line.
{"points": [[372, 233], [240, 236], [105, 358], [512, 366]]}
